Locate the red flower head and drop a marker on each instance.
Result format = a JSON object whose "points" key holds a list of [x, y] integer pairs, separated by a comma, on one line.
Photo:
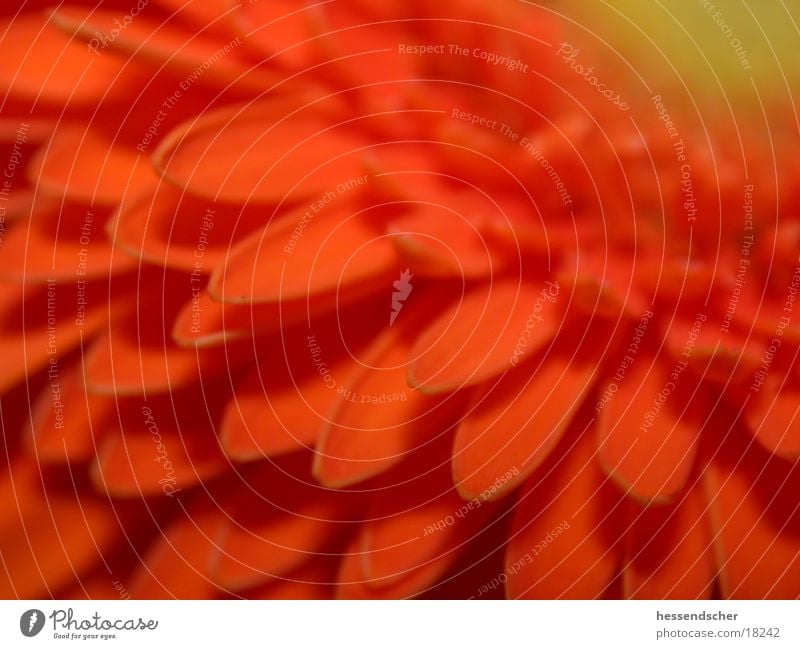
{"points": [[307, 300]]}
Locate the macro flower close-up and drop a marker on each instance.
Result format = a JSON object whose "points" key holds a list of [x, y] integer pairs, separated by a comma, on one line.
{"points": [[339, 299]]}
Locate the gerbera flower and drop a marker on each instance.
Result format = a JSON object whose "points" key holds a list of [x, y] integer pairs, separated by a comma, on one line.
{"points": [[313, 300]]}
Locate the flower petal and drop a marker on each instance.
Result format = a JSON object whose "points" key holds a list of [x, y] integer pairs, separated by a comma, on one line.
{"points": [[647, 442], [275, 545], [202, 13], [98, 172], [603, 285], [351, 583], [756, 522], [49, 538], [176, 566], [264, 153], [564, 538], [484, 335], [205, 322], [375, 419], [162, 41], [279, 29], [43, 65], [402, 538], [67, 419], [36, 331], [168, 227], [327, 256], [774, 418], [50, 247], [312, 581], [437, 240], [145, 461], [728, 357], [274, 412], [669, 551], [511, 429], [124, 362]]}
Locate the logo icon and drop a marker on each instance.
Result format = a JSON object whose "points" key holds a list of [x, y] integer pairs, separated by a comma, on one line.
{"points": [[31, 622], [402, 291]]}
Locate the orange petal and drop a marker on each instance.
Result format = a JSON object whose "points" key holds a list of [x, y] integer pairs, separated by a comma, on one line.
{"points": [[521, 230], [120, 363], [376, 419], [97, 587], [438, 240], [647, 433], [15, 132], [177, 565], [511, 429], [276, 545], [97, 172], [601, 285], [168, 227], [279, 29], [774, 417], [478, 153], [264, 153], [682, 281], [669, 551], [161, 225], [756, 521], [764, 316], [564, 538], [407, 173], [203, 13], [276, 413], [327, 256], [19, 204], [37, 332], [49, 248], [727, 357], [283, 405], [68, 418], [351, 583], [48, 539], [41, 64], [358, 52], [488, 332], [145, 460], [399, 540], [162, 41], [312, 581], [205, 322]]}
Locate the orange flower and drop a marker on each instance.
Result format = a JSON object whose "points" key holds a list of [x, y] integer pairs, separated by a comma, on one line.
{"points": [[314, 300]]}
